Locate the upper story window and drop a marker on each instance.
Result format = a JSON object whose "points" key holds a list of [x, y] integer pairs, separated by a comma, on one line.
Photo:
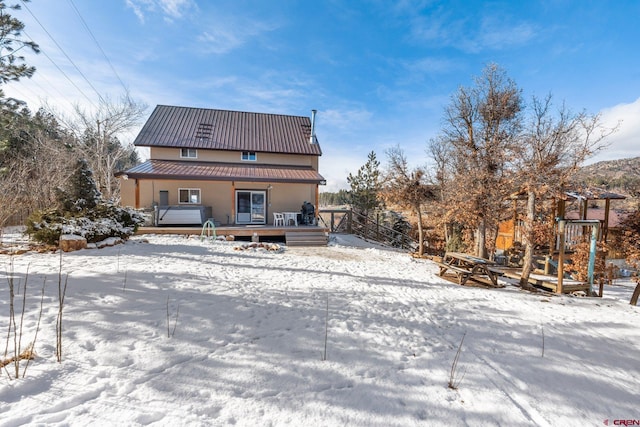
{"points": [[249, 156], [189, 153], [189, 195]]}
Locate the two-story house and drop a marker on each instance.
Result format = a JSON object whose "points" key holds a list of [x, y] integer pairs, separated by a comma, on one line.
{"points": [[236, 167]]}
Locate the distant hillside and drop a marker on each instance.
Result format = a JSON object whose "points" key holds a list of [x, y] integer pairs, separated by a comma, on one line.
{"points": [[620, 176]]}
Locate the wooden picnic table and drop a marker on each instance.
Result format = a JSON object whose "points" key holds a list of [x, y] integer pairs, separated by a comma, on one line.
{"points": [[466, 266]]}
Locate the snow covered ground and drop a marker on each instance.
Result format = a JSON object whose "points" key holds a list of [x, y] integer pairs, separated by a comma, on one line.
{"points": [[247, 338]]}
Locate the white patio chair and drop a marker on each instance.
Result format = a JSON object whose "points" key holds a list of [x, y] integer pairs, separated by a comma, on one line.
{"points": [[278, 219]]}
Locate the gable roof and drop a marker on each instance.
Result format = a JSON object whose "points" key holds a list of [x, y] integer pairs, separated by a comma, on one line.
{"points": [[204, 128]]}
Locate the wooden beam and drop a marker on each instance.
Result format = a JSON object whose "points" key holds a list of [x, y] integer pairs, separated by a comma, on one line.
{"points": [[605, 226], [137, 194], [561, 232]]}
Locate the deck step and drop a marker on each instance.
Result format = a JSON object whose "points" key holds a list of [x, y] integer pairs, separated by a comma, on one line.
{"points": [[307, 238]]}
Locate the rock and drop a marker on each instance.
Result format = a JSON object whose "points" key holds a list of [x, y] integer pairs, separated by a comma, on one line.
{"points": [[110, 241], [71, 242]]}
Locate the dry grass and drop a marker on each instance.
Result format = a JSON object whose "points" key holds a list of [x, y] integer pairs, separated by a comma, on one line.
{"points": [[27, 354]]}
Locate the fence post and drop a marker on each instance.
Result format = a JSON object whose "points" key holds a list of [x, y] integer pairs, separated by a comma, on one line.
{"points": [[636, 294], [561, 231]]}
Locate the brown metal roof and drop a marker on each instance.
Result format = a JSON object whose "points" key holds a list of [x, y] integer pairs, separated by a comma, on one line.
{"points": [[615, 217], [204, 128], [213, 171]]}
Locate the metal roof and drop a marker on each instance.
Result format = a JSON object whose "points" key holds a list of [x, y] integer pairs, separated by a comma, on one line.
{"points": [[591, 193], [213, 171], [615, 217], [203, 128]]}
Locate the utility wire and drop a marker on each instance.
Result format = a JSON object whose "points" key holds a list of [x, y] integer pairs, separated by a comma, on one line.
{"points": [[98, 44], [63, 73], [43, 90], [65, 53]]}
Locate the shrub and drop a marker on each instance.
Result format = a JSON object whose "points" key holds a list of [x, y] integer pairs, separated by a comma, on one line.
{"points": [[45, 226], [95, 225], [83, 213]]}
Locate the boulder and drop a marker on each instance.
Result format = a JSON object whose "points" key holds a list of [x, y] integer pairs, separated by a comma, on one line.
{"points": [[71, 242]]}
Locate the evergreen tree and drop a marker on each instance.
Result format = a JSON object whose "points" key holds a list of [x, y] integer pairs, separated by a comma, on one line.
{"points": [[12, 65], [82, 192], [365, 186]]}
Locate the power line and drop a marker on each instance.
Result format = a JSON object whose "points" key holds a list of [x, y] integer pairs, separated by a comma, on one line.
{"points": [[63, 73], [43, 89], [98, 44], [65, 53]]}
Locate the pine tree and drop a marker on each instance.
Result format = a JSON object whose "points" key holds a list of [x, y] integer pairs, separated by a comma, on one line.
{"points": [[12, 65], [81, 192], [365, 186]]}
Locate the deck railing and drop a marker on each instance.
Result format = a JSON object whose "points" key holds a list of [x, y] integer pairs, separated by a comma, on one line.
{"points": [[367, 227]]}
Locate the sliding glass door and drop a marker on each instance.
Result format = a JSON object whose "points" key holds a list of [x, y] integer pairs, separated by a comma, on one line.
{"points": [[251, 207]]}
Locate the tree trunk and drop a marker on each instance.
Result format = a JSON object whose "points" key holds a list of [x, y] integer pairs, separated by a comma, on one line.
{"points": [[527, 266], [420, 233], [481, 239]]}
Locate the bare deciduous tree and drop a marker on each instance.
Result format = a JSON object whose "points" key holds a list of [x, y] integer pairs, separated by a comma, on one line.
{"points": [[34, 164], [407, 188], [481, 126], [552, 148], [101, 133], [440, 153]]}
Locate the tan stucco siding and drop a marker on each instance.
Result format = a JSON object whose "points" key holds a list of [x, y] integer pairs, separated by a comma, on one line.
{"points": [[163, 153], [288, 197], [220, 195], [214, 194], [128, 192]]}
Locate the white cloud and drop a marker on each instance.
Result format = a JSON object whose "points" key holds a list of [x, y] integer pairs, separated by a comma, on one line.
{"points": [[172, 9], [624, 143], [225, 35], [176, 8], [220, 40], [442, 27], [345, 120], [137, 8], [497, 34]]}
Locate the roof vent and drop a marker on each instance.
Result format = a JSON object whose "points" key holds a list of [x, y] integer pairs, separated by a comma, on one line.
{"points": [[203, 133]]}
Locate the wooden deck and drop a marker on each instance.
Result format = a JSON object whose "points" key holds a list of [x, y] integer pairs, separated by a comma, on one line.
{"points": [[547, 282], [264, 232]]}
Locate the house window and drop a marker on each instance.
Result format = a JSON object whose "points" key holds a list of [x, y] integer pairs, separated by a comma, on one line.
{"points": [[189, 153], [189, 196], [249, 156]]}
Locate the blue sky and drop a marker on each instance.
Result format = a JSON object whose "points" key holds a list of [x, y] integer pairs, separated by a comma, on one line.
{"points": [[380, 73]]}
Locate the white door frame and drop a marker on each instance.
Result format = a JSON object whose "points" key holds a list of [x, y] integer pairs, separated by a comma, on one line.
{"points": [[254, 212]]}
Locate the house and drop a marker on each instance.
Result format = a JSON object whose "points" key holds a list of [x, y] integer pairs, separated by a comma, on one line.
{"points": [[235, 167]]}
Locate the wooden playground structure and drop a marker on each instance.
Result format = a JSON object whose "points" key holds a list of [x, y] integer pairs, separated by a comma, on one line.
{"points": [[571, 228]]}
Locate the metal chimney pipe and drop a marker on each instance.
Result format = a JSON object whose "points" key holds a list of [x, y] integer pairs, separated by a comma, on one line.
{"points": [[312, 138]]}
